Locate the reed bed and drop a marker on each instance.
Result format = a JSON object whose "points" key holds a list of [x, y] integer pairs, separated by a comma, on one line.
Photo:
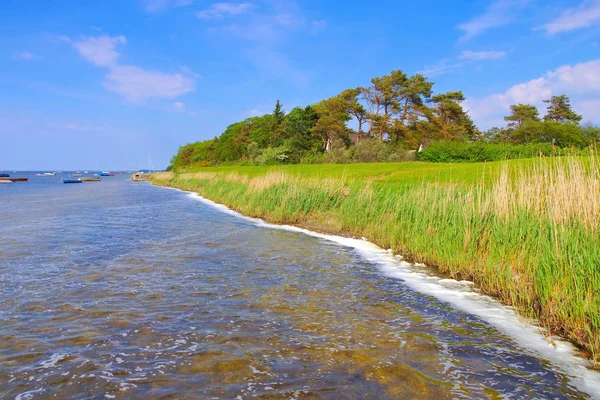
{"points": [[528, 235]]}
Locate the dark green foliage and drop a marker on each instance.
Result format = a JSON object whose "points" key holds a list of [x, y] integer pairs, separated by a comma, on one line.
{"points": [[559, 110], [455, 151], [521, 113]]}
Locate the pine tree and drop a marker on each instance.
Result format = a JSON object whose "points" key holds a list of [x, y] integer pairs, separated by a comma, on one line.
{"points": [[559, 110], [278, 113]]}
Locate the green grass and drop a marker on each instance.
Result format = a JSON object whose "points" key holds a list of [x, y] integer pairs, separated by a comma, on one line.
{"points": [[525, 231]]}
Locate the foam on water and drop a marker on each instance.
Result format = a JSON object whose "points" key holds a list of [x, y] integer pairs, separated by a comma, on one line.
{"points": [[461, 295]]}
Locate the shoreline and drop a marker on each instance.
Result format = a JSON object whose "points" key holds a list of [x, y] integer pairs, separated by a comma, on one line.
{"points": [[463, 295]]}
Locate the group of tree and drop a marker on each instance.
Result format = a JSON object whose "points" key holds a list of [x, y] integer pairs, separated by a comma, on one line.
{"points": [[560, 126], [395, 113]]}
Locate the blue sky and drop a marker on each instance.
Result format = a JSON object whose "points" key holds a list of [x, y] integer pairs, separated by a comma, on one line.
{"points": [[106, 85]]}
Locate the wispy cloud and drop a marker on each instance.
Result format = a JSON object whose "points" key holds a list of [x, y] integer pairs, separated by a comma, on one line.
{"points": [[222, 10], [481, 55], [153, 6], [133, 83], [100, 50], [181, 107], [441, 68], [75, 127], [499, 13], [580, 81], [318, 26], [24, 56], [586, 14]]}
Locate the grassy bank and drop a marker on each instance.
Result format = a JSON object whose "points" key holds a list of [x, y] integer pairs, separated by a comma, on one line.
{"points": [[525, 231]]}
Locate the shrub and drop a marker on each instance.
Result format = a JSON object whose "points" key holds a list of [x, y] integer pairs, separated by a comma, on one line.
{"points": [[454, 151]]}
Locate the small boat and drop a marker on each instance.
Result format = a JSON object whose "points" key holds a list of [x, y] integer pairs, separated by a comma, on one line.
{"points": [[19, 179], [5, 181], [106, 174], [77, 175], [72, 180], [4, 176], [90, 179], [46, 174]]}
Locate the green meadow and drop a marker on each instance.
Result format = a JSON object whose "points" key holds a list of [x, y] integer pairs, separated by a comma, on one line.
{"points": [[525, 231]]}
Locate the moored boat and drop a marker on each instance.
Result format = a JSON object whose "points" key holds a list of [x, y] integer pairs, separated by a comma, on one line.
{"points": [[91, 179], [72, 180], [6, 181], [19, 179], [106, 174], [4, 176]]}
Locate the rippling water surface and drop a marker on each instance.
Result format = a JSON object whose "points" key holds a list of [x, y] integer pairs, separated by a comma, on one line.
{"points": [[119, 289]]}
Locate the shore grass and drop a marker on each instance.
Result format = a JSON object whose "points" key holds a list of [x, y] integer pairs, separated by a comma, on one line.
{"points": [[525, 231]]}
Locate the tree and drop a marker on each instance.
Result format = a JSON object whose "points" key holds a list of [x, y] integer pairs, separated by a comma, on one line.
{"points": [[521, 113], [395, 102], [351, 99], [278, 113], [299, 132], [559, 110], [331, 125], [450, 119], [557, 133]]}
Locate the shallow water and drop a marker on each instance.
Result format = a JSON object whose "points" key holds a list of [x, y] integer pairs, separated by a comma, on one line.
{"points": [[118, 289]]}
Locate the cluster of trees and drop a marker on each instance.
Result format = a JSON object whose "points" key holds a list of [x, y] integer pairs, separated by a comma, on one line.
{"points": [[395, 114], [560, 126]]}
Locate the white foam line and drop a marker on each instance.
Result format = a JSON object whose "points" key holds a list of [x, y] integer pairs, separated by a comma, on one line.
{"points": [[459, 294]]}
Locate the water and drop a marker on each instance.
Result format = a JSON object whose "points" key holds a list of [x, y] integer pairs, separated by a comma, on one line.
{"points": [[119, 289]]}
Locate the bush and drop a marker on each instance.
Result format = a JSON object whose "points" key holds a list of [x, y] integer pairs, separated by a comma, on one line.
{"points": [[453, 151]]}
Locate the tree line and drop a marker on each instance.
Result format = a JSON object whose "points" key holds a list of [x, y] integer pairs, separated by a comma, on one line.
{"points": [[395, 115]]}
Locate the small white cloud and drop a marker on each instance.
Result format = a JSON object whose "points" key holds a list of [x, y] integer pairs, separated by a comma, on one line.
{"points": [[222, 10], [100, 50], [24, 55], [499, 13], [137, 84], [179, 106], [586, 14], [481, 55]]}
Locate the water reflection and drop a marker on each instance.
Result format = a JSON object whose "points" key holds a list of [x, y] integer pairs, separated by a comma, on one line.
{"points": [[123, 290]]}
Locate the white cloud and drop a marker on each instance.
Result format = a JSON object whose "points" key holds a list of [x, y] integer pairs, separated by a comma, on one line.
{"points": [[499, 13], [100, 50], [581, 82], [222, 10], [584, 15], [481, 55], [133, 83], [24, 55], [137, 84]]}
